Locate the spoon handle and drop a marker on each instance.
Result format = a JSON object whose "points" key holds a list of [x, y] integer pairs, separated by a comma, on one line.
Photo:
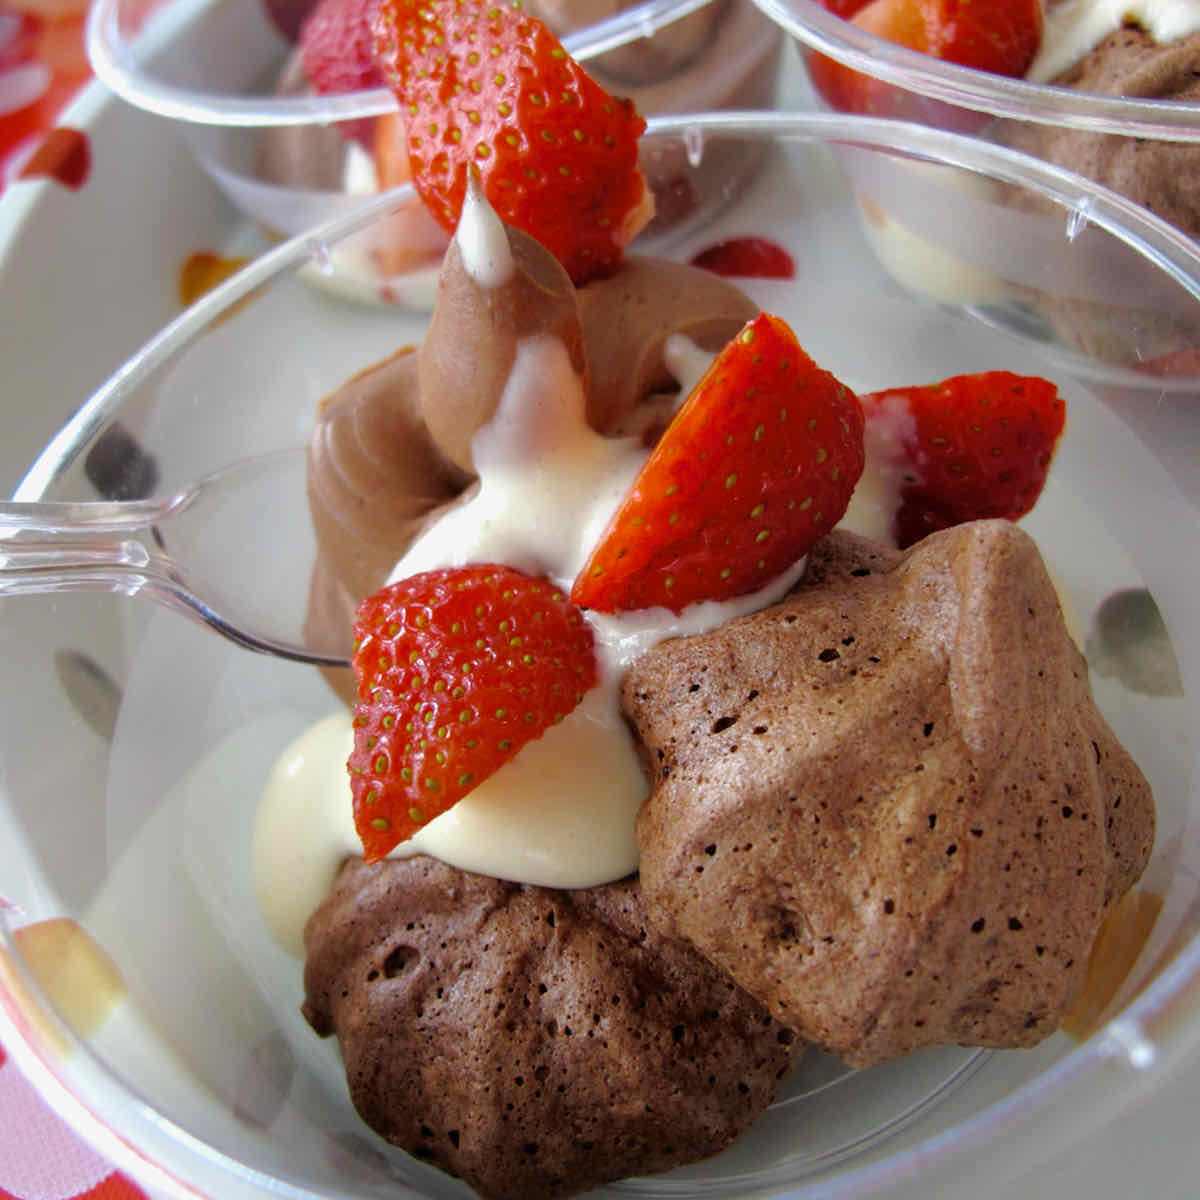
{"points": [[72, 563], [121, 546], [86, 517], [52, 546], [126, 567]]}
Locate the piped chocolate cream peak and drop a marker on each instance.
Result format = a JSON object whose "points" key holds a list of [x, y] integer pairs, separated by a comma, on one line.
{"points": [[497, 287], [627, 319]]}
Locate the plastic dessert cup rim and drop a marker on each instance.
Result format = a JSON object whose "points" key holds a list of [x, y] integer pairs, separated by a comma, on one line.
{"points": [[117, 66], [965, 87], [1152, 1036], [1162, 243]]}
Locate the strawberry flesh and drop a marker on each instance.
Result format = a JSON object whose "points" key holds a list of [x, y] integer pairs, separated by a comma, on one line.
{"points": [[457, 670], [844, 8], [758, 463], [976, 446], [1001, 36], [288, 16]]}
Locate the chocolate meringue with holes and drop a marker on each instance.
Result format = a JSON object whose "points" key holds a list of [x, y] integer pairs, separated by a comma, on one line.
{"points": [[888, 805], [536, 1043]]}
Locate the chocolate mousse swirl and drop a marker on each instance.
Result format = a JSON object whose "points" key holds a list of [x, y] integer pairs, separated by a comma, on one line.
{"points": [[627, 319], [471, 345], [375, 473]]}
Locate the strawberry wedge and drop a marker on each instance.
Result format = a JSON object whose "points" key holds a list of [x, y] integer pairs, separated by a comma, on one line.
{"points": [[758, 464], [972, 447], [457, 670]]}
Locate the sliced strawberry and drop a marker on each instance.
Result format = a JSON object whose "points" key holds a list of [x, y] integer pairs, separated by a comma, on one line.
{"points": [[1178, 364], [337, 46], [388, 144], [973, 446], [757, 465], [457, 670], [485, 84], [1000, 36], [337, 49]]}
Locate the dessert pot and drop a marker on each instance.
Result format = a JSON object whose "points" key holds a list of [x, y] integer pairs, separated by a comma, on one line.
{"points": [[141, 988], [1115, 102], [229, 74]]}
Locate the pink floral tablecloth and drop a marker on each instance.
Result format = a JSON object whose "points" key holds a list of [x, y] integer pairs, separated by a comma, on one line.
{"points": [[41, 1159], [42, 66]]}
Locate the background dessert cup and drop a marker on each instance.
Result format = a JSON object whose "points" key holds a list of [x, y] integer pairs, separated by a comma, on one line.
{"points": [[1143, 145], [226, 71], [198, 1059]]}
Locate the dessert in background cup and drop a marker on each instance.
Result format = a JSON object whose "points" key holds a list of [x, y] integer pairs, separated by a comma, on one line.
{"points": [[1144, 51], [1149, 49]]}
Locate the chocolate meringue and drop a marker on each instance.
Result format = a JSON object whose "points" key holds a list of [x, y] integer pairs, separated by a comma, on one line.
{"points": [[888, 805], [534, 1042]]}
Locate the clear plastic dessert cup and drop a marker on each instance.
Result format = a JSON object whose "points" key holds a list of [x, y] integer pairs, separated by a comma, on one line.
{"points": [[140, 989], [228, 72], [1144, 144]]}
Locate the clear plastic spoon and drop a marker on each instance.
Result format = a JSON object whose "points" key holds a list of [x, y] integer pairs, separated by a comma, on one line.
{"points": [[233, 550]]}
